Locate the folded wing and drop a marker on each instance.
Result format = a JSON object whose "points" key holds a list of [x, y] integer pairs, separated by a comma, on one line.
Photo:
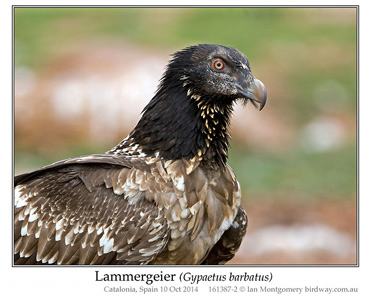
{"points": [[86, 211]]}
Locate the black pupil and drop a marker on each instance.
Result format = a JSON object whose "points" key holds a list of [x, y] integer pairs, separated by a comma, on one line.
{"points": [[219, 64]]}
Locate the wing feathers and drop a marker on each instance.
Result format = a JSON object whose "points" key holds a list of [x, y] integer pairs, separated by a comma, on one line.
{"points": [[229, 243], [96, 212], [76, 218]]}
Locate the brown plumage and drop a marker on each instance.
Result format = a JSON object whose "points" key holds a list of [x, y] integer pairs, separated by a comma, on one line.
{"points": [[164, 195]]}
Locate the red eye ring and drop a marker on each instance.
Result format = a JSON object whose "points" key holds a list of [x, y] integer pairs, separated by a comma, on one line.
{"points": [[218, 64]]}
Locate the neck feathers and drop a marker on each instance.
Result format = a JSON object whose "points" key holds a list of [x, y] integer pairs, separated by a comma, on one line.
{"points": [[177, 124]]}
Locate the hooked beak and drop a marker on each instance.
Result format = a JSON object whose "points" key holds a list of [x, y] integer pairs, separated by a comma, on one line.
{"points": [[256, 92]]}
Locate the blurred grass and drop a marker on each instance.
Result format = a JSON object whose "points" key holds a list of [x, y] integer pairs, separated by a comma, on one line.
{"points": [[296, 175], [304, 47], [41, 30], [26, 158]]}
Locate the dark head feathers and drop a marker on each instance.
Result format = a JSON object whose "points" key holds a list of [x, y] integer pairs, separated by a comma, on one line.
{"points": [[189, 114]]}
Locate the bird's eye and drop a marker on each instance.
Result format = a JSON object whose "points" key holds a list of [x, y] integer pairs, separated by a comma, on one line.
{"points": [[218, 64]]}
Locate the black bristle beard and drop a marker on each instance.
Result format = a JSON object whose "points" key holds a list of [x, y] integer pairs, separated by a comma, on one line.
{"points": [[177, 125]]}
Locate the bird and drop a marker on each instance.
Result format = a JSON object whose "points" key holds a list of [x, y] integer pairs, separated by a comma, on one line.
{"points": [[165, 194]]}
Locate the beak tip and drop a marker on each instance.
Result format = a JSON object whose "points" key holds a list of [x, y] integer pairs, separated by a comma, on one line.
{"points": [[256, 92], [264, 100]]}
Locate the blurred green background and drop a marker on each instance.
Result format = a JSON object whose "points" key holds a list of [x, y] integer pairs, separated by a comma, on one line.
{"points": [[299, 151]]}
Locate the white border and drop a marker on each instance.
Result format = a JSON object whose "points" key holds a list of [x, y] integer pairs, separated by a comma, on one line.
{"points": [[77, 282]]}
